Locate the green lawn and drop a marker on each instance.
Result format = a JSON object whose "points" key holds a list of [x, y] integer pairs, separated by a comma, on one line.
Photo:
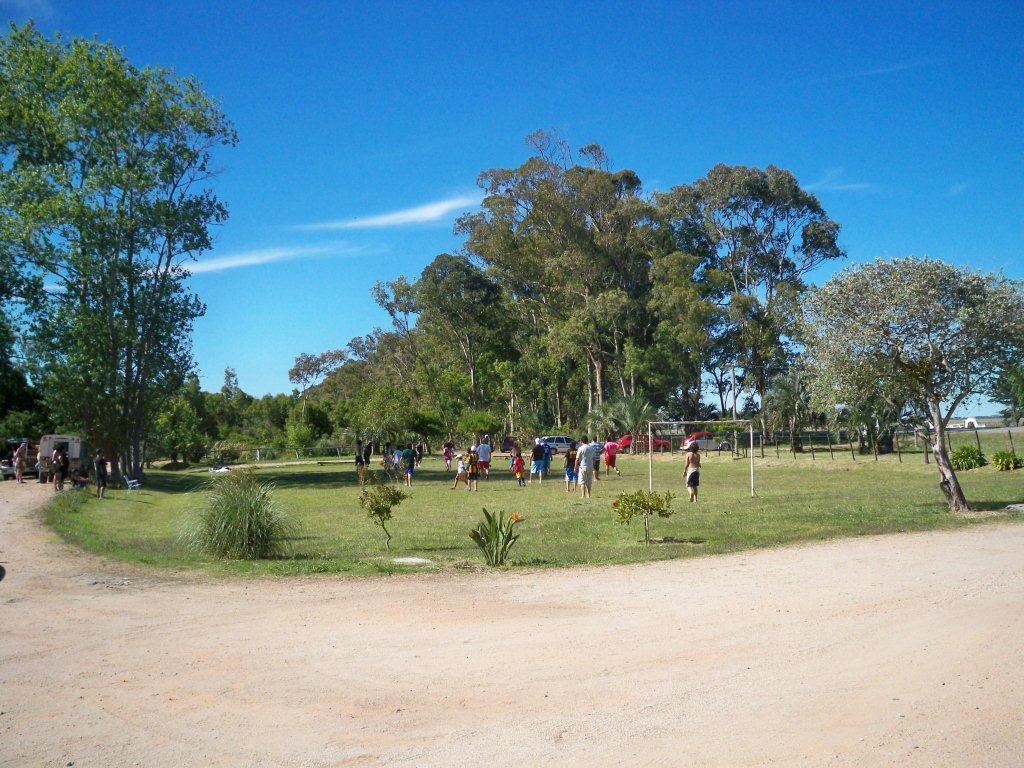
{"points": [[798, 500]]}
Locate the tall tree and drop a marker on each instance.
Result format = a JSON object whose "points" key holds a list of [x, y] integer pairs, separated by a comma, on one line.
{"points": [[766, 234], [923, 329], [104, 191]]}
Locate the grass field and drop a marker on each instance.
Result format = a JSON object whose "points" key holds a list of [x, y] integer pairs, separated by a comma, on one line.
{"points": [[798, 500]]}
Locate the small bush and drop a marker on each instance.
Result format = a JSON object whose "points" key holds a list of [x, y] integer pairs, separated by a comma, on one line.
{"points": [[495, 536], [967, 457], [379, 500], [1006, 460], [643, 503], [238, 520]]}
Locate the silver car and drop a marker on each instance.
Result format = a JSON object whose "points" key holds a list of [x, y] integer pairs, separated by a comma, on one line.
{"points": [[557, 443]]}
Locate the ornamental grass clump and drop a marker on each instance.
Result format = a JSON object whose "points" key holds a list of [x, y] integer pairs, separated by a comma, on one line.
{"points": [[645, 504], [1005, 461], [967, 457], [495, 536], [238, 520]]}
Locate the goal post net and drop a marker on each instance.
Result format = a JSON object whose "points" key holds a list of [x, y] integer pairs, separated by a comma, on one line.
{"points": [[732, 435]]}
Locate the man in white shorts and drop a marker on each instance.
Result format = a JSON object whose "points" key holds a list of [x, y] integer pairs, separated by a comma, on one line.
{"points": [[483, 453]]}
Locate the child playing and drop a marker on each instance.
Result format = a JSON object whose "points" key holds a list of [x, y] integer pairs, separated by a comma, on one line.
{"points": [[460, 472], [518, 468], [472, 469], [570, 468]]}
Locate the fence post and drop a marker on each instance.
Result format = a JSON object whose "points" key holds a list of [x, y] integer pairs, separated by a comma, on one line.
{"points": [[811, 441], [852, 454], [896, 437], [777, 445], [927, 441], [977, 439], [828, 436], [874, 443], [1009, 434], [760, 439]]}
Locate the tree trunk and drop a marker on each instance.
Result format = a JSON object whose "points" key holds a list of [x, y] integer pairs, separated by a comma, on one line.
{"points": [[948, 481]]}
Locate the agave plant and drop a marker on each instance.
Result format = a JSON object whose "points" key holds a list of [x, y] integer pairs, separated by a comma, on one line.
{"points": [[495, 536]]}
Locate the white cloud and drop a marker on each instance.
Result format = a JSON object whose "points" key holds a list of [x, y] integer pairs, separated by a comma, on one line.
{"points": [[259, 256], [833, 182], [421, 214], [956, 190], [873, 72]]}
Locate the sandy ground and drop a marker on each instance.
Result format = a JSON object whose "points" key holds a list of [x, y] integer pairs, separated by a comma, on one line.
{"points": [[884, 651]]}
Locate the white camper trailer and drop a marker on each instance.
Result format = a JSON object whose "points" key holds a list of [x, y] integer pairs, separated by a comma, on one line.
{"points": [[74, 446]]}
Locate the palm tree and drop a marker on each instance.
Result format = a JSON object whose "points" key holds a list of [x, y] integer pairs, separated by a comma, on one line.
{"points": [[632, 415], [602, 420], [788, 403]]}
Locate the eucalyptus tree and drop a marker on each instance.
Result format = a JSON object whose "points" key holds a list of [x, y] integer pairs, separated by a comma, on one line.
{"points": [[764, 234], [569, 243], [104, 194], [914, 328]]}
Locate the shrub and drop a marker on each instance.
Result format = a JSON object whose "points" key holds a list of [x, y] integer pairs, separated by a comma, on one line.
{"points": [[238, 520], [1006, 460], [967, 457], [379, 500], [495, 536], [643, 503]]}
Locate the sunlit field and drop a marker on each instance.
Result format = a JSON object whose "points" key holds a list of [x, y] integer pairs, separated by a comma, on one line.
{"points": [[798, 499]]}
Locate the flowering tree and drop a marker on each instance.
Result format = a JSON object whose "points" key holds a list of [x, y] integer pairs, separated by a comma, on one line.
{"points": [[925, 330]]}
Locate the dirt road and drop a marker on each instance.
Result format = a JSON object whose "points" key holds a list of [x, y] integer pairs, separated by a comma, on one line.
{"points": [[897, 651]]}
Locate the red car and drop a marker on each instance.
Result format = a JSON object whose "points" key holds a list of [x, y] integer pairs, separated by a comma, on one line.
{"points": [[660, 443]]}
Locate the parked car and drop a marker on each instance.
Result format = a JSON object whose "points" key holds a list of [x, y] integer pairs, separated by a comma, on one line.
{"points": [[558, 443], [661, 444], [706, 442], [7, 468]]}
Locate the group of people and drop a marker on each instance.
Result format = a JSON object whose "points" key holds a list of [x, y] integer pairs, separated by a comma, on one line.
{"points": [[469, 465], [581, 466], [60, 469]]}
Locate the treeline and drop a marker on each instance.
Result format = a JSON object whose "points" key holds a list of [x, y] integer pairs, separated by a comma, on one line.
{"points": [[578, 300]]}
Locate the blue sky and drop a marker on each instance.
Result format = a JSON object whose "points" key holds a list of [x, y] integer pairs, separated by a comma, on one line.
{"points": [[363, 127]]}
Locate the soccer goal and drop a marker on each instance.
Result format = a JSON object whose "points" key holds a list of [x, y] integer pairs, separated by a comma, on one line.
{"points": [[661, 436]]}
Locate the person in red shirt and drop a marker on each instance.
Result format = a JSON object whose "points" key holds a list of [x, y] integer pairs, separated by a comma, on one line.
{"points": [[611, 448], [518, 468]]}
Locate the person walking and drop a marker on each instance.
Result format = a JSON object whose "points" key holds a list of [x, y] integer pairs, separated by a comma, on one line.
{"points": [[585, 467], [611, 448], [537, 461], [518, 468], [360, 463], [472, 469], [408, 461], [460, 472], [483, 452], [693, 471], [420, 450], [570, 468], [18, 459], [99, 467], [61, 465], [449, 453], [367, 453], [40, 474]]}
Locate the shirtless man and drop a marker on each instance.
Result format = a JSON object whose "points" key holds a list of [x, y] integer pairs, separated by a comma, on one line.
{"points": [[693, 471]]}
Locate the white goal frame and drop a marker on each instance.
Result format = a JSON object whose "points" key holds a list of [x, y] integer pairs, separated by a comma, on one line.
{"points": [[650, 445]]}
